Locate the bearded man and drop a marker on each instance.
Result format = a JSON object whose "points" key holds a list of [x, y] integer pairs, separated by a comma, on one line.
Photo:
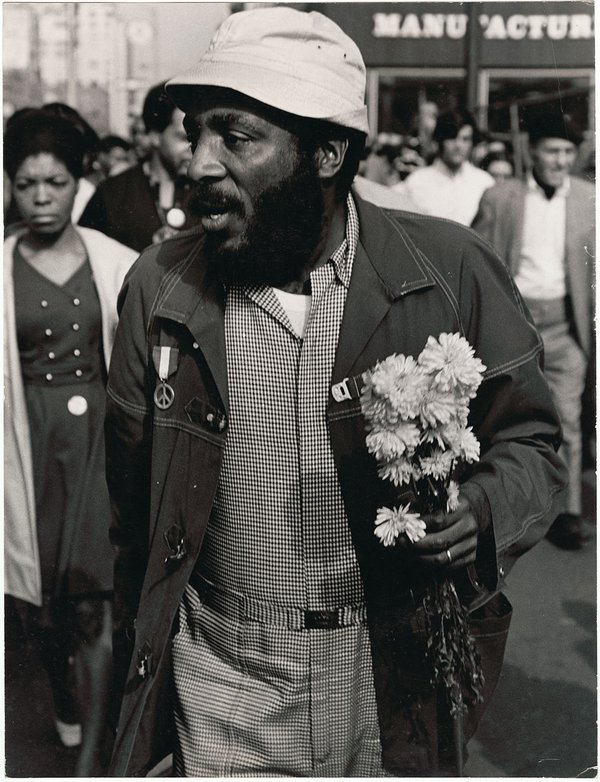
{"points": [[258, 616]]}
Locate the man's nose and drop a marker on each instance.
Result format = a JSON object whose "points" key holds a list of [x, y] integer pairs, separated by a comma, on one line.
{"points": [[205, 163]]}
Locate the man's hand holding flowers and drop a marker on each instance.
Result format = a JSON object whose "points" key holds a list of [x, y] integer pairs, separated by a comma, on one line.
{"points": [[416, 414], [453, 533]]}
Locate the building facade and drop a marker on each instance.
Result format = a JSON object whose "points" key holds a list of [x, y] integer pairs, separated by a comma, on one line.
{"points": [[498, 58]]}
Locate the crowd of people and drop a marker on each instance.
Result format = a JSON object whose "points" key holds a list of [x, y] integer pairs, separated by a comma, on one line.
{"points": [[283, 254]]}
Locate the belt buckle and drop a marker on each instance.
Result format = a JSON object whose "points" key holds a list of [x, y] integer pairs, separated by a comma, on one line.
{"points": [[321, 620]]}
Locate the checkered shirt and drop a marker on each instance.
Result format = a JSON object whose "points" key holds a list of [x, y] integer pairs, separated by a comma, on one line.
{"points": [[256, 696], [278, 531]]}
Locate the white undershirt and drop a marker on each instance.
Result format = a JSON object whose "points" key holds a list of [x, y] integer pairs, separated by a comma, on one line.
{"points": [[297, 307], [541, 273]]}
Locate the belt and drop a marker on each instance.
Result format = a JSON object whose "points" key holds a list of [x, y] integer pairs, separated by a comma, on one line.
{"points": [[243, 608]]}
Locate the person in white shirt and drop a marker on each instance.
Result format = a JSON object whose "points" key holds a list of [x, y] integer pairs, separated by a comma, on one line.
{"points": [[451, 186], [543, 228]]}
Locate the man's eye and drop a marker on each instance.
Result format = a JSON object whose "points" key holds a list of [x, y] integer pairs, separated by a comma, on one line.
{"points": [[235, 139]]}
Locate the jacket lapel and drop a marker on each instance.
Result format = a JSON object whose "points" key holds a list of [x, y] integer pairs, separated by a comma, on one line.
{"points": [[197, 300], [379, 277]]}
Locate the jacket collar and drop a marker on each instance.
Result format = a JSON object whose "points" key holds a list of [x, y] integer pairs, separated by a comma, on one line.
{"points": [[387, 267]]}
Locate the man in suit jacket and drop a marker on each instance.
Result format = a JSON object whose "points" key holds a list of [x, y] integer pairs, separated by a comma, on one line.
{"points": [[148, 202], [543, 228], [244, 495]]}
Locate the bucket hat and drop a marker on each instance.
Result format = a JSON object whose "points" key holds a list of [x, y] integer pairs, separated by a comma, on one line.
{"points": [[298, 62]]}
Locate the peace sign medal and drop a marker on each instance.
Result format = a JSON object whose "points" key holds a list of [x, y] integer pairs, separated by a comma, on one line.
{"points": [[165, 362]]}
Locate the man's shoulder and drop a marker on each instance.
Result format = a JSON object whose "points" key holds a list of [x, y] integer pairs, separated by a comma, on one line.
{"points": [[438, 238], [167, 258], [506, 192], [479, 175], [581, 188], [423, 175], [131, 177]]}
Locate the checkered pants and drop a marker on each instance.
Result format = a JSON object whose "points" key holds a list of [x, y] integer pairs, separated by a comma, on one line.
{"points": [[257, 699]]}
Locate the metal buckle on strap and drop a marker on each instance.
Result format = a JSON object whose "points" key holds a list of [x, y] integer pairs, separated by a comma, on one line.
{"points": [[321, 620]]}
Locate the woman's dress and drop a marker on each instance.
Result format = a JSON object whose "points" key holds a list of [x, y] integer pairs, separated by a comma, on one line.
{"points": [[59, 332]]}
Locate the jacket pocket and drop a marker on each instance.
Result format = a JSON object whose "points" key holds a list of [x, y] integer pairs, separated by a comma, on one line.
{"points": [[489, 628]]}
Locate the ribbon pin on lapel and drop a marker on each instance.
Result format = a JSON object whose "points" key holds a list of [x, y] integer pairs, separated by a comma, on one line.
{"points": [[165, 362]]}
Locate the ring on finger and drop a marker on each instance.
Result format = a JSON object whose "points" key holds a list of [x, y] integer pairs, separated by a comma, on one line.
{"points": [[449, 555]]}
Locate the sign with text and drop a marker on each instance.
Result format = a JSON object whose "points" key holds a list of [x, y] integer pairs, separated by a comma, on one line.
{"points": [[532, 34]]}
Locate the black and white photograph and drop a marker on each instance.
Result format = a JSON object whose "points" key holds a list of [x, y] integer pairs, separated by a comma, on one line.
{"points": [[300, 389]]}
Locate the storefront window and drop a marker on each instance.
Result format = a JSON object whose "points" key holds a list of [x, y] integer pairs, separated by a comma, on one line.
{"points": [[399, 95], [530, 91]]}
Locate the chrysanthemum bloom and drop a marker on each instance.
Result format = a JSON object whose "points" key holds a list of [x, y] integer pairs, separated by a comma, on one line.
{"points": [[390, 523], [388, 444], [464, 444], [438, 464], [378, 412], [436, 408], [399, 472], [452, 362]]}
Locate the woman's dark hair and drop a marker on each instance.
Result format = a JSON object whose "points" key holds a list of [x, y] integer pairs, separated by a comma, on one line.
{"points": [[450, 122], [89, 135], [111, 141], [38, 131]]}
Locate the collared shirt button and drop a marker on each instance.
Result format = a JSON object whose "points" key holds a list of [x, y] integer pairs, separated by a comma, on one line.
{"points": [[76, 302], [78, 372], [48, 332], [44, 303], [76, 327], [52, 354], [195, 345], [77, 352], [49, 376], [210, 417]]}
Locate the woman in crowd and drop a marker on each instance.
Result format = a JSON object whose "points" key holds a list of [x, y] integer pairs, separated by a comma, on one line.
{"points": [[60, 290]]}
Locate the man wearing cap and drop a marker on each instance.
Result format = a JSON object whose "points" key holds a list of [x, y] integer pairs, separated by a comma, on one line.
{"points": [[543, 228], [262, 629], [148, 202]]}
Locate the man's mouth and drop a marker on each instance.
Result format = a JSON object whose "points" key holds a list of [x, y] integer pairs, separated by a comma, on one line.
{"points": [[214, 221]]}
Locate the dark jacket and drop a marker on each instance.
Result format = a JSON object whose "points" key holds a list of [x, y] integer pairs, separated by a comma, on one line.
{"points": [[413, 276], [123, 207]]}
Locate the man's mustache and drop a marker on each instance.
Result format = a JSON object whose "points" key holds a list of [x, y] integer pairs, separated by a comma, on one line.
{"points": [[210, 200]]}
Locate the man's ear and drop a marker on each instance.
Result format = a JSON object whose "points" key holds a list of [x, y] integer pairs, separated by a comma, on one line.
{"points": [[330, 156]]}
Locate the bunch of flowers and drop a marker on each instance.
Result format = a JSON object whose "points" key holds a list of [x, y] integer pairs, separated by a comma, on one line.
{"points": [[416, 412]]}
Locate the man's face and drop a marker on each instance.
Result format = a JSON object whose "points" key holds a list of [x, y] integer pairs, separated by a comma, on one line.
{"points": [[173, 147], [552, 160], [258, 196], [456, 150]]}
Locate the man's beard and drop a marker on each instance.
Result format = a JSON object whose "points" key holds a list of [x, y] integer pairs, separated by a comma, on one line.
{"points": [[280, 238]]}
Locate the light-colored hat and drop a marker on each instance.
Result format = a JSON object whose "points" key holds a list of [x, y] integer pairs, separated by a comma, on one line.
{"points": [[301, 63]]}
